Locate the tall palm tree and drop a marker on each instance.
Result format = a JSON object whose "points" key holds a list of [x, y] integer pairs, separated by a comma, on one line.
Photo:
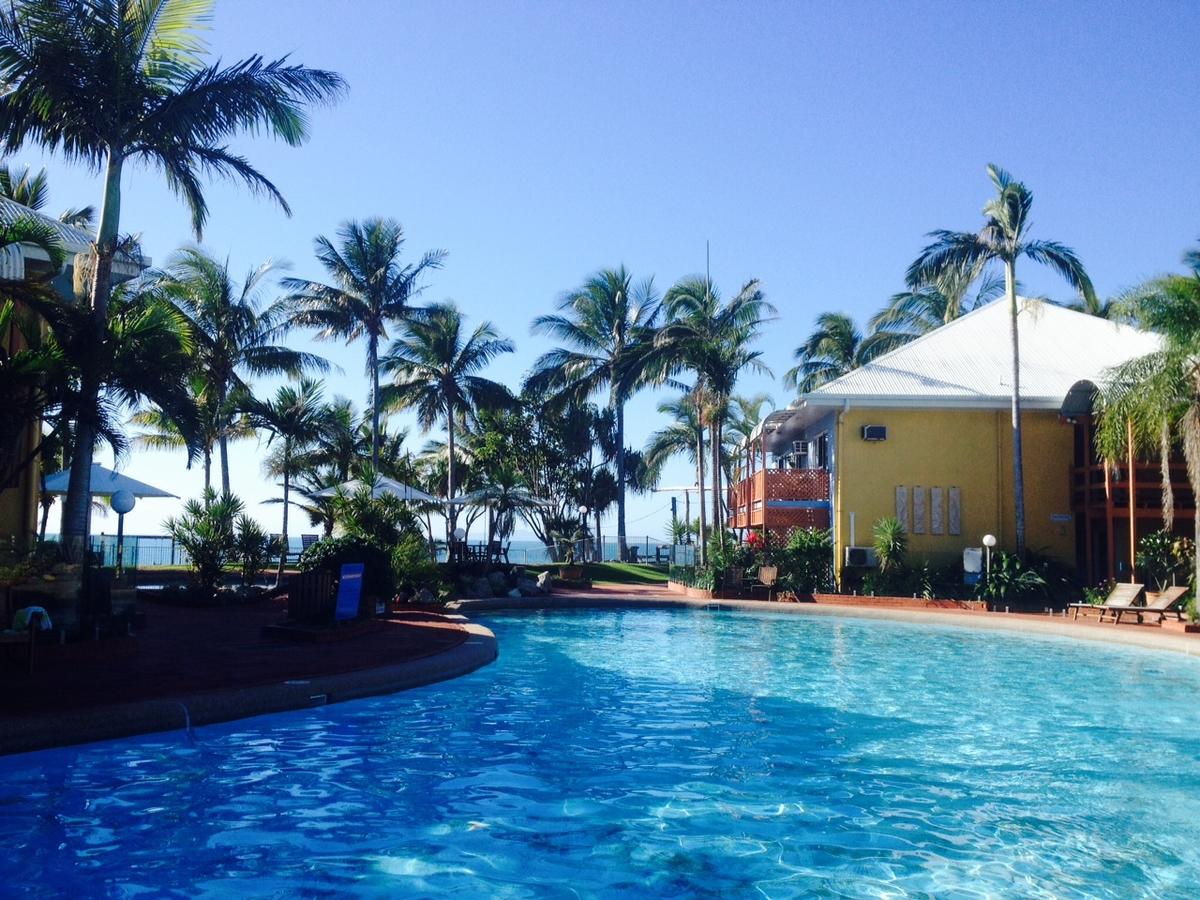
{"points": [[602, 322], [110, 81], [1155, 399], [835, 347], [925, 307], [433, 365], [295, 416], [32, 189], [712, 339], [1003, 239], [236, 335], [370, 289]]}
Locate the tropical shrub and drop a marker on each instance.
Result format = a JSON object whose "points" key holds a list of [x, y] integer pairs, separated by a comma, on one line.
{"points": [[891, 544], [1011, 580], [252, 547], [330, 554], [1160, 556], [411, 564], [806, 563], [731, 556], [385, 518], [699, 577], [205, 532]]}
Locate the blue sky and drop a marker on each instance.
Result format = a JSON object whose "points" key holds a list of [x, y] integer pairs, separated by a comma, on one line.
{"points": [[813, 145]]}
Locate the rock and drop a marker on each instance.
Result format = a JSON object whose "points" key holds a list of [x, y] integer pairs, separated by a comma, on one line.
{"points": [[483, 588], [545, 581], [514, 594], [498, 580], [528, 587], [426, 596]]}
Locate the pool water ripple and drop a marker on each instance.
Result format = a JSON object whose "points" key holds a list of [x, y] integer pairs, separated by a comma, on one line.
{"points": [[664, 753]]}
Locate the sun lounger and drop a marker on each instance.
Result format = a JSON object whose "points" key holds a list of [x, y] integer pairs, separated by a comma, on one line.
{"points": [[1159, 604], [1122, 595]]}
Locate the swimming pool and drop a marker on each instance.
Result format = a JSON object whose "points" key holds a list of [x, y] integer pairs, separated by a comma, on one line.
{"points": [[670, 753]]}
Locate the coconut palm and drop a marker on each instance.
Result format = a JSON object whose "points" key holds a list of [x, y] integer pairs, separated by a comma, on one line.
{"points": [[712, 339], [295, 416], [106, 82], [433, 366], [236, 335], [1003, 239], [925, 307], [32, 189], [835, 347], [1155, 399], [369, 290], [601, 324]]}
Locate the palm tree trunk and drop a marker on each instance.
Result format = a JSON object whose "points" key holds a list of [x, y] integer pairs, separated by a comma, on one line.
{"points": [[42, 527], [283, 538], [208, 471], [451, 513], [598, 550], [373, 362], [622, 549], [79, 489], [1010, 286], [703, 536], [715, 440], [224, 447]]}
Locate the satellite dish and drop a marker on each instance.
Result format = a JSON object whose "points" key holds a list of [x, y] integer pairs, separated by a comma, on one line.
{"points": [[122, 502]]}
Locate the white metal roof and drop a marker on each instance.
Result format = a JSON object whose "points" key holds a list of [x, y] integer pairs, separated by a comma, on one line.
{"points": [[74, 240], [968, 362]]}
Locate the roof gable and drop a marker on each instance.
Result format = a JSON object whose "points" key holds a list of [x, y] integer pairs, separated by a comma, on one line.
{"points": [[968, 362]]}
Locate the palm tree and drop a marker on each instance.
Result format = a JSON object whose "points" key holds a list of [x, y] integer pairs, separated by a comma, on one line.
{"points": [[1003, 239], [433, 367], [1155, 400], [712, 339], [296, 416], [109, 81], [32, 189], [370, 289], [925, 307], [162, 433], [235, 336], [601, 322], [835, 347]]}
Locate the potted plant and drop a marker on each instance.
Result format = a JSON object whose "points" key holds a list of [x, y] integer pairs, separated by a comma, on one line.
{"points": [[568, 570]]}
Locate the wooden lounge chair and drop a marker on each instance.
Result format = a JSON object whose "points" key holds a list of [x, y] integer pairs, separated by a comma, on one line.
{"points": [[26, 637], [1160, 604], [1122, 595]]}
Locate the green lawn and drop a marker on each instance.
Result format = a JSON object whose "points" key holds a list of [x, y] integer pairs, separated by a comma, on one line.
{"points": [[624, 573]]}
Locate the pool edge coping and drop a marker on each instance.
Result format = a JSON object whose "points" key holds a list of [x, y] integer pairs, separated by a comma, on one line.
{"points": [[982, 621], [119, 720]]}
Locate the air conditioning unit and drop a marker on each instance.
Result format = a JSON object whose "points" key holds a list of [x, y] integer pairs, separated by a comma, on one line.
{"points": [[874, 432], [861, 557]]}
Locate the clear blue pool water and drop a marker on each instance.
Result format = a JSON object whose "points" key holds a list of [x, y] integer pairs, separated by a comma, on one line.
{"points": [[665, 754]]}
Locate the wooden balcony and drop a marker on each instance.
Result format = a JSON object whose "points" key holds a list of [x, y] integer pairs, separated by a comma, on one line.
{"points": [[781, 498], [1089, 496]]}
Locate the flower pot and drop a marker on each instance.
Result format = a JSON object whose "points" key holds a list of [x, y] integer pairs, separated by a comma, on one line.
{"points": [[570, 573]]}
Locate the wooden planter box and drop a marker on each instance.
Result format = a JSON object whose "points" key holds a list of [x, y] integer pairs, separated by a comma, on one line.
{"points": [[694, 593], [1181, 627]]}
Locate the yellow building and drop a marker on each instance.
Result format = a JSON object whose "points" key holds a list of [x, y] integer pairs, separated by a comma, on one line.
{"points": [[924, 433]]}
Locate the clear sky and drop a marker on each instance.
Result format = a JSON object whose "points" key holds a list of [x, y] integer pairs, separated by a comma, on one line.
{"points": [[813, 145]]}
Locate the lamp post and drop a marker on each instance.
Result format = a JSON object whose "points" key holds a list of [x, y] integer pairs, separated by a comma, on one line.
{"points": [[459, 536], [121, 502], [989, 541]]}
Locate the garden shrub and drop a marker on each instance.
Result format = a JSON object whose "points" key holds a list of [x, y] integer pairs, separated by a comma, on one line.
{"points": [[411, 564], [205, 531], [330, 554], [699, 577], [252, 547], [1012, 580], [806, 563]]}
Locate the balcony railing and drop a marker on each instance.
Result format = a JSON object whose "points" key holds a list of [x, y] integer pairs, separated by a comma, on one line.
{"points": [[781, 498]]}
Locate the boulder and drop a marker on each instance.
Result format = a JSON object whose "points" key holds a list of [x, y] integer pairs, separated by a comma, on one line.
{"points": [[483, 588], [498, 580], [426, 596], [528, 587], [545, 581], [514, 594]]}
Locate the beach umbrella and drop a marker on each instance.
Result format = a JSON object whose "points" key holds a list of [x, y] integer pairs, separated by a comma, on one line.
{"points": [[380, 487]]}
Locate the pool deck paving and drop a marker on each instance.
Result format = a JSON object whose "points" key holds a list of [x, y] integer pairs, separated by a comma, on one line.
{"points": [[191, 666]]}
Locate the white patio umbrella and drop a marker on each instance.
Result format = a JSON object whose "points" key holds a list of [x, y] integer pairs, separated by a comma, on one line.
{"points": [[381, 486], [105, 483]]}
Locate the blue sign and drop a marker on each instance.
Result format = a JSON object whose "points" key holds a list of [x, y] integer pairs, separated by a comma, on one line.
{"points": [[349, 592]]}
